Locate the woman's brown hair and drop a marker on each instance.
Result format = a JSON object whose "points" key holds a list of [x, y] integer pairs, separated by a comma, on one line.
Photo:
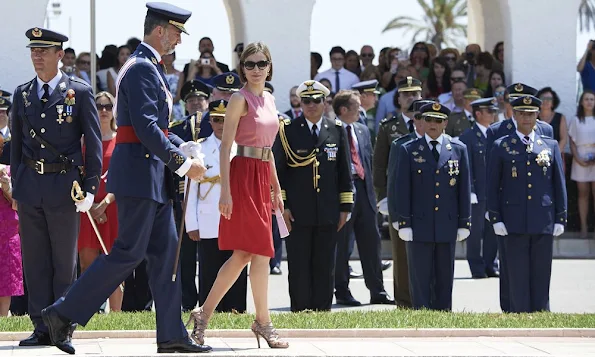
{"points": [[251, 49], [112, 101], [580, 111]]}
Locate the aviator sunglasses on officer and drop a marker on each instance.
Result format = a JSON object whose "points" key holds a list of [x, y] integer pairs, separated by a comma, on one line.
{"points": [[308, 101]]}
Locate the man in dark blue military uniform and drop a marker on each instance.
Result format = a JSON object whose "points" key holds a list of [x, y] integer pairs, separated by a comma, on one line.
{"points": [[145, 219], [49, 115], [196, 94], [481, 257], [226, 84], [433, 208], [495, 132], [527, 205], [311, 156], [401, 270]]}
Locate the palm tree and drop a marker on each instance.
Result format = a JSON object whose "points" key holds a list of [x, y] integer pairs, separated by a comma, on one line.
{"points": [[586, 15], [439, 24]]}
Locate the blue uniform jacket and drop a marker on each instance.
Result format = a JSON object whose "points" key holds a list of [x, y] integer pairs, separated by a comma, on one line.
{"points": [[78, 120], [526, 196], [393, 167], [477, 149], [434, 199], [506, 127], [144, 170]]}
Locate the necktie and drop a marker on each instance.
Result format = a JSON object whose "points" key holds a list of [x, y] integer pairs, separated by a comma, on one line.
{"points": [[359, 169], [337, 83], [46, 94], [435, 149], [297, 113], [162, 66], [411, 127], [314, 134]]}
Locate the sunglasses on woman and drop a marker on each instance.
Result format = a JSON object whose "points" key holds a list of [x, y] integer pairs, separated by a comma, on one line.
{"points": [[435, 120], [249, 65], [499, 93], [307, 101], [107, 107]]}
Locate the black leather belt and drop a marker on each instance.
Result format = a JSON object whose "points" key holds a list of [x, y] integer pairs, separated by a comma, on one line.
{"points": [[43, 168]]}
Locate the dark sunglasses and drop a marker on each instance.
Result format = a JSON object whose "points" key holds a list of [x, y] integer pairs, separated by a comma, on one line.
{"points": [[432, 119], [107, 107], [217, 120], [367, 55], [85, 62], [450, 58], [457, 79], [249, 65], [307, 101]]}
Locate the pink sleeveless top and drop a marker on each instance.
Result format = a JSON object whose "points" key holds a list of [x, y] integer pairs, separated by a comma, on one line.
{"points": [[258, 128]]}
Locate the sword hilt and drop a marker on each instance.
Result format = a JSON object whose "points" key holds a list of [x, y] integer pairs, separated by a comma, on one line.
{"points": [[76, 193]]}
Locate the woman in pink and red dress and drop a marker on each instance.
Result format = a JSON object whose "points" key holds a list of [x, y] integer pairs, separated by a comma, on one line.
{"points": [[11, 267], [245, 204]]}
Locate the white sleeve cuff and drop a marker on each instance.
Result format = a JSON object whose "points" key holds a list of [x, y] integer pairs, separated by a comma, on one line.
{"points": [[184, 168], [395, 225]]}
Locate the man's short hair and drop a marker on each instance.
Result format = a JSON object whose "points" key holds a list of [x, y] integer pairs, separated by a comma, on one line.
{"points": [[70, 50], [337, 49], [342, 99], [152, 21]]}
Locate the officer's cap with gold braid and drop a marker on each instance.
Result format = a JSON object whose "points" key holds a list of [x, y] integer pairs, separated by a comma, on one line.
{"points": [[366, 86], [39, 37], [227, 82], [526, 103], [195, 88], [176, 16], [472, 93], [485, 103], [409, 84], [418, 103], [312, 89], [5, 94], [217, 108], [435, 110], [520, 89], [4, 103]]}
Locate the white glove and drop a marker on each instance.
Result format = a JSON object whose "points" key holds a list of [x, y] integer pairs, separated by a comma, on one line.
{"points": [[382, 206], [487, 216], [406, 234], [474, 200], [396, 226], [193, 150], [500, 229], [558, 229], [462, 234], [85, 204]]}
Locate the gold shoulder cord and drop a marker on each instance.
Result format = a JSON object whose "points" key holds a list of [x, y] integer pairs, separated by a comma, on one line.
{"points": [[212, 180], [295, 160]]}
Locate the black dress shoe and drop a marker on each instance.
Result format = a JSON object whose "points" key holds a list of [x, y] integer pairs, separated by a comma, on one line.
{"points": [[347, 300], [276, 271], [492, 274], [60, 329], [183, 345], [386, 265], [37, 338], [479, 276], [382, 299]]}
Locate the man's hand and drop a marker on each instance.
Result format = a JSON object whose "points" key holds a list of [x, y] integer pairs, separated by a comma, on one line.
{"points": [[474, 200], [85, 204], [194, 235], [406, 234], [288, 218], [342, 220], [196, 171], [462, 234], [500, 229]]}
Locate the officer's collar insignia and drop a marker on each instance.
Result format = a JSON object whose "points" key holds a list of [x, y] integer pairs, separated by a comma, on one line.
{"points": [[513, 140], [509, 126], [436, 106], [36, 32], [419, 160], [448, 147], [527, 100], [25, 99], [478, 133], [539, 142], [415, 153], [518, 87], [62, 86], [154, 60], [421, 148], [229, 79]]}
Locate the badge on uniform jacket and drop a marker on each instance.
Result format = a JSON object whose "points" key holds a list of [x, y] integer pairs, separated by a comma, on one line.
{"points": [[331, 153]]}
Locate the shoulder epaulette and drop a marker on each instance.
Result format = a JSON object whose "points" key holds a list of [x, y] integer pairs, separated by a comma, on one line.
{"points": [[78, 80], [175, 123], [338, 122], [285, 120]]}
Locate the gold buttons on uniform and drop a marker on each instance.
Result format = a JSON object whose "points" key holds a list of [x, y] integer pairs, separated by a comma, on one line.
{"points": [[437, 196], [42, 115], [147, 156], [317, 150], [468, 224], [435, 208], [529, 197], [419, 171], [317, 190], [529, 185], [42, 146], [528, 163], [437, 172], [92, 187], [42, 130], [437, 184], [528, 174]]}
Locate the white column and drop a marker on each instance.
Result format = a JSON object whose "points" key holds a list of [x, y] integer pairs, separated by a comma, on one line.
{"points": [[486, 24], [236, 27], [25, 14], [541, 46], [284, 25], [475, 23]]}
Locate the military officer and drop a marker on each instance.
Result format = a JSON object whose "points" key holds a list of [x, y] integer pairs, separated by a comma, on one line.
{"points": [[481, 257], [461, 121], [401, 270], [496, 131], [196, 94], [202, 220], [145, 157], [5, 136], [433, 208], [311, 156], [368, 91], [50, 115], [527, 205], [226, 84], [391, 128]]}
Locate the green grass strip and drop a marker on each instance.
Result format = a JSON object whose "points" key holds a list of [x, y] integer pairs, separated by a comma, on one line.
{"points": [[338, 320]]}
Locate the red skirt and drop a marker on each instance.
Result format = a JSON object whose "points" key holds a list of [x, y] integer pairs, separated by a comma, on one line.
{"points": [[108, 230], [250, 227]]}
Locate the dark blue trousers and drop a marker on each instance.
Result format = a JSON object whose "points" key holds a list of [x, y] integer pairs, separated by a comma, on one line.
{"points": [[529, 260], [481, 246], [431, 274], [146, 229], [48, 245], [363, 225], [504, 287]]}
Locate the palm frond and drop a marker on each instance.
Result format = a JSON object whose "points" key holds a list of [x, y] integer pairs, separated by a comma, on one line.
{"points": [[586, 15], [401, 22]]}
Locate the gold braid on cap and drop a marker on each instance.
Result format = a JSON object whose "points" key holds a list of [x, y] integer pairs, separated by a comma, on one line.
{"points": [[295, 160]]}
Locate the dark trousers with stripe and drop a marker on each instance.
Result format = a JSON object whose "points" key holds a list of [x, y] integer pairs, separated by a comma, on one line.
{"points": [[482, 247]]}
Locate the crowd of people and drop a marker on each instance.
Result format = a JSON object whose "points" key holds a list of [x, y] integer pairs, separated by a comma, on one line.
{"points": [[404, 146]]}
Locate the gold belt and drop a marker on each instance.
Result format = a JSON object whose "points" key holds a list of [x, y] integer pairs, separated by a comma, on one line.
{"points": [[263, 154]]}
